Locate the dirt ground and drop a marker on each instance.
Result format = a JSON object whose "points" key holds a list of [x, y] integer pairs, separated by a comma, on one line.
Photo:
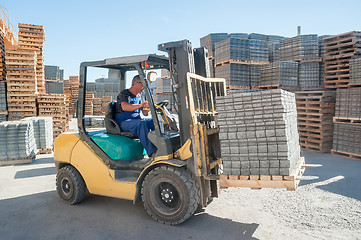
{"points": [[327, 208]]}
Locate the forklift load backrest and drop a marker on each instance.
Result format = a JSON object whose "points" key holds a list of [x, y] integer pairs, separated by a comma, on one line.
{"points": [[111, 125]]}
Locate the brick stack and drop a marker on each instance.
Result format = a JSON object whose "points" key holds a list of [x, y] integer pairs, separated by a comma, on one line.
{"points": [[43, 131], [347, 123], [355, 72], [89, 103], [97, 106], [340, 50], [32, 37], [54, 105], [283, 73], [21, 83], [315, 111], [258, 133]]}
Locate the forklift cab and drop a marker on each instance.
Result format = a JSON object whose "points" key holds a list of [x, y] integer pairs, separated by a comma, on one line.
{"points": [[119, 149]]}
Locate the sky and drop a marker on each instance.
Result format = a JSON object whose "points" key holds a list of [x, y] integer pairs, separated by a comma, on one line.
{"points": [[78, 30]]}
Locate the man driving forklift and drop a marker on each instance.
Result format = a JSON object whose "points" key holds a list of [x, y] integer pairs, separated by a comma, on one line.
{"points": [[127, 115]]}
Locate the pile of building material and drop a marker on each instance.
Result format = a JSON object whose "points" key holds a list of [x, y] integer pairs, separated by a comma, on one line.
{"points": [[105, 101], [309, 74], [17, 142], [104, 87], [54, 105], [89, 96], [71, 90], [355, 72], [299, 48], [273, 52], [283, 73], [43, 132], [235, 74], [94, 121], [258, 132], [3, 104], [340, 50], [315, 111], [53, 73], [54, 87], [2, 58], [210, 41], [32, 37], [321, 54], [97, 106], [258, 50], [347, 123], [163, 88], [21, 83]]}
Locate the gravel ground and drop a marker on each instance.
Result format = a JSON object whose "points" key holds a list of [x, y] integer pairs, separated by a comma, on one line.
{"points": [[327, 208]]}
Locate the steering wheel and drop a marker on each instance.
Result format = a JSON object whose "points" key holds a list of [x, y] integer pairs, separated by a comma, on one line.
{"points": [[163, 103]]}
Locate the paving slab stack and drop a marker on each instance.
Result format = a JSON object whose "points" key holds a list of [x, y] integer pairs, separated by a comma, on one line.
{"points": [[355, 72], [282, 73], [52, 72], [3, 104], [258, 132], [54, 87], [322, 53], [17, 141], [94, 121], [43, 131], [315, 111], [2, 58], [163, 88], [347, 123]]}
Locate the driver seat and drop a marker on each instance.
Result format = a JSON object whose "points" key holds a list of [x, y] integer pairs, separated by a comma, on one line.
{"points": [[111, 125]]}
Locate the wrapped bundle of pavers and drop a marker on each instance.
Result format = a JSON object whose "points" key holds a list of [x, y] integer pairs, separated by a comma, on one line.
{"points": [[3, 108], [20, 140], [94, 121], [258, 132]]}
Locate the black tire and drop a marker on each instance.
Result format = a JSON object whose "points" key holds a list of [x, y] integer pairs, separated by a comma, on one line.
{"points": [[170, 195], [70, 185]]}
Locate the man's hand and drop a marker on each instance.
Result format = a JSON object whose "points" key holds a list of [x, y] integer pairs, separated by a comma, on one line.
{"points": [[144, 104]]}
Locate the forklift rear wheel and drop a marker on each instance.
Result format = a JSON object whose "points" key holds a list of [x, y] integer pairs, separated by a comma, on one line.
{"points": [[70, 185], [170, 195]]}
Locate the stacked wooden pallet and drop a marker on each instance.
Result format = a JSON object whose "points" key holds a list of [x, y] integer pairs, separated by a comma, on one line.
{"points": [[21, 83], [89, 96], [73, 89], [315, 110], [105, 101], [54, 105], [340, 50], [32, 37], [347, 121], [97, 106]]}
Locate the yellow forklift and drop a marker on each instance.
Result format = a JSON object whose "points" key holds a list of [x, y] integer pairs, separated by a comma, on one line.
{"points": [[183, 175]]}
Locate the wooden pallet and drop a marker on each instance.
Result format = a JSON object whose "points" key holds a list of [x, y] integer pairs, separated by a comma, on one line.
{"points": [[354, 85], [45, 151], [265, 181], [346, 154], [17, 161], [266, 87], [347, 120]]}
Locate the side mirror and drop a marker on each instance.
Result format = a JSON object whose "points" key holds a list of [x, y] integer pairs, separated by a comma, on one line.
{"points": [[151, 76]]}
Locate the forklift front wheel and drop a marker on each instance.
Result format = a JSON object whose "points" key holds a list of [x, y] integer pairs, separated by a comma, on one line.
{"points": [[70, 185], [170, 195]]}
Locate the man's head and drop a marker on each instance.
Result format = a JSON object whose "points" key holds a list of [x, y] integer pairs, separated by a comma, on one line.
{"points": [[137, 85]]}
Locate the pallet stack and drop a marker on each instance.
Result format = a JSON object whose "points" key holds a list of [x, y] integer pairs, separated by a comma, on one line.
{"points": [[2, 58], [258, 132], [340, 50], [163, 88], [347, 123], [89, 96], [315, 111], [105, 101], [71, 89], [97, 107], [54, 105], [21, 83], [32, 37], [3, 104]]}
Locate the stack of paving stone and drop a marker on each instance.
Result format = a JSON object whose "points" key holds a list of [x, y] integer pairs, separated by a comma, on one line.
{"points": [[94, 121], [17, 141], [2, 58], [258, 132], [347, 123], [355, 71], [210, 40], [283, 73], [234, 74], [163, 86], [255, 75], [52, 72], [274, 52], [321, 54], [89, 96], [232, 49], [258, 36], [43, 131], [105, 101], [299, 48], [54, 87], [3, 105], [309, 74], [97, 106], [258, 50]]}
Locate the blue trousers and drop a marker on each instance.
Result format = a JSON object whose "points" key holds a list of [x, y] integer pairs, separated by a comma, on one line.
{"points": [[140, 127]]}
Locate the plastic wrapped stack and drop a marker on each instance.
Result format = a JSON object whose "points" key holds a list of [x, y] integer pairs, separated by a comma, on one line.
{"points": [[258, 132], [273, 52], [299, 48], [52, 72], [282, 73], [232, 49], [210, 40], [258, 50], [17, 141], [234, 74], [94, 121], [97, 106], [3, 105], [54, 87], [309, 74], [43, 131], [163, 86]]}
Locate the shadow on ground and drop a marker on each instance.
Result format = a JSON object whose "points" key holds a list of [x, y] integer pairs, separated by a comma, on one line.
{"points": [[35, 172], [45, 216], [344, 174]]}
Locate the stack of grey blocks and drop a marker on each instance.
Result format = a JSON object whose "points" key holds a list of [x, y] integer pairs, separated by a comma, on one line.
{"points": [[94, 121], [17, 140], [43, 131], [309, 74], [355, 71], [100, 89], [258, 132], [210, 40], [273, 52], [235, 74], [299, 48], [54, 87], [284, 73], [3, 101], [163, 85], [322, 53]]}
